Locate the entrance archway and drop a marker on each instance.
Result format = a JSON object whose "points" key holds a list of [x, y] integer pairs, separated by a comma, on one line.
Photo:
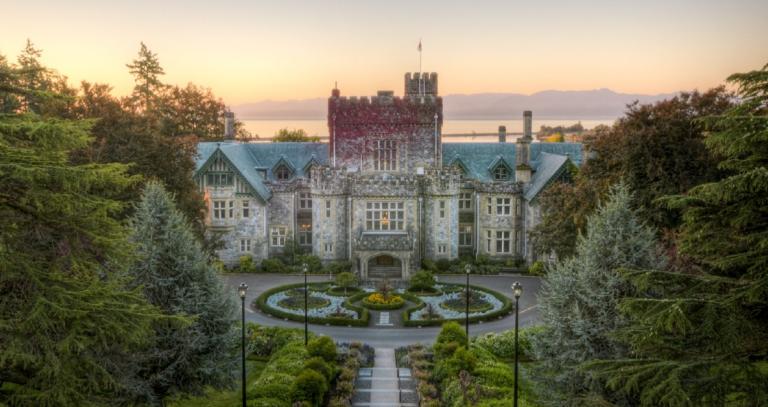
{"points": [[385, 266]]}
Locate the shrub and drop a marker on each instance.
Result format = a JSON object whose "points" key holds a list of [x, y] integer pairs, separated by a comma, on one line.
{"points": [[314, 264], [318, 364], [336, 267], [346, 280], [429, 265], [246, 265], [421, 281], [537, 268], [273, 266], [323, 347], [451, 332], [269, 402], [310, 386], [345, 388], [339, 402], [443, 265]]}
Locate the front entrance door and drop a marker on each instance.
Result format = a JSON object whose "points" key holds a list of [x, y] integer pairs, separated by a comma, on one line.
{"points": [[385, 266]]}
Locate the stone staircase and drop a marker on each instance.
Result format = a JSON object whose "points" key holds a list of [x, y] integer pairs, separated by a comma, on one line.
{"points": [[382, 385]]}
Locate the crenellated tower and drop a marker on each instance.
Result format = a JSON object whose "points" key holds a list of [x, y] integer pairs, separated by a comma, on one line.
{"points": [[386, 133]]}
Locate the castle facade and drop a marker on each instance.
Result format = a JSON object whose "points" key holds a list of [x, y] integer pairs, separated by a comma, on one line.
{"points": [[385, 192]]}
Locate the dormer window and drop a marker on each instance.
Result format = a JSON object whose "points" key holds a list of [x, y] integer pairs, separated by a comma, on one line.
{"points": [[282, 173], [501, 173]]}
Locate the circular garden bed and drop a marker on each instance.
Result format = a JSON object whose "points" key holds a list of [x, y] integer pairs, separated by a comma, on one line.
{"points": [[485, 304], [323, 308]]}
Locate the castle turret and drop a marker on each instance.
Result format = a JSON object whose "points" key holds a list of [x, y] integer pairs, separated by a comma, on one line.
{"points": [[421, 84], [523, 150]]}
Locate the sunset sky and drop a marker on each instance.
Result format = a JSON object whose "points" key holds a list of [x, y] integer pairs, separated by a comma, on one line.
{"points": [[253, 50]]}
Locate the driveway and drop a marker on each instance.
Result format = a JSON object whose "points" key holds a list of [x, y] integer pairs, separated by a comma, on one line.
{"points": [[390, 337]]}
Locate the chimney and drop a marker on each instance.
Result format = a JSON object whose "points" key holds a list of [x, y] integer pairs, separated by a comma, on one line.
{"points": [[502, 134], [527, 124], [229, 125], [523, 169]]}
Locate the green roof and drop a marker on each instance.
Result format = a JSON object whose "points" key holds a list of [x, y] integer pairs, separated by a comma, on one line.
{"points": [[478, 160]]}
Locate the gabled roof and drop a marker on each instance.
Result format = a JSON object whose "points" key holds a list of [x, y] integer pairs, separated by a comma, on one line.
{"points": [[573, 151], [240, 159], [549, 167], [249, 158], [478, 157], [499, 160], [546, 159]]}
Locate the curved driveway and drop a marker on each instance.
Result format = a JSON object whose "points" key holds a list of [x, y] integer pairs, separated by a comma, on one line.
{"points": [[388, 336]]}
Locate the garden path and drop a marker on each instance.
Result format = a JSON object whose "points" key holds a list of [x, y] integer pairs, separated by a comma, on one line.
{"points": [[379, 386]]}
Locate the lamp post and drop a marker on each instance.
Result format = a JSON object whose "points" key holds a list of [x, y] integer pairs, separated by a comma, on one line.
{"points": [[305, 269], [468, 269], [517, 290], [242, 290]]}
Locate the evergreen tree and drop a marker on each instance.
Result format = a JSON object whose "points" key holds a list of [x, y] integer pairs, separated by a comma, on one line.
{"points": [[67, 319], [579, 297], [146, 70], [701, 338], [177, 277]]}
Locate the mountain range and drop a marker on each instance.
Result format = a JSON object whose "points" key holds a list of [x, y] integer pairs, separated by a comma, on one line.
{"points": [[582, 104]]}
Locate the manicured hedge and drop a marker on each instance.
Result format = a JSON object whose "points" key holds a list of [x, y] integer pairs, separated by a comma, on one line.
{"points": [[505, 309], [261, 303]]}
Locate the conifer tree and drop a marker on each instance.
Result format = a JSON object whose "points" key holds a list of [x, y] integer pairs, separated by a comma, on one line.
{"points": [[146, 70], [176, 276], [579, 298], [67, 318], [701, 338]]}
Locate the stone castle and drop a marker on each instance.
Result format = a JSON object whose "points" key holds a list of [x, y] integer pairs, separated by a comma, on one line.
{"points": [[385, 192]]}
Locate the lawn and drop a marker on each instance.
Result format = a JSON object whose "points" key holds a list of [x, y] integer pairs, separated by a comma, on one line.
{"points": [[225, 398]]}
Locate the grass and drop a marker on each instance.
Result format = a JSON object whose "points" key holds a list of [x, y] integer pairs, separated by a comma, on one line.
{"points": [[224, 398]]}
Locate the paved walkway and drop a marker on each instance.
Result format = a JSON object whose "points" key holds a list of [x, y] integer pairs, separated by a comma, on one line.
{"points": [[380, 386]]}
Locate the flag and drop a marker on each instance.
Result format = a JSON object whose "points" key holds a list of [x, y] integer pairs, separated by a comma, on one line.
{"points": [[419, 48]]}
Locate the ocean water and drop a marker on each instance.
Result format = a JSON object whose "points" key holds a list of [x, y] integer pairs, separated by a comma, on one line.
{"points": [[465, 130]]}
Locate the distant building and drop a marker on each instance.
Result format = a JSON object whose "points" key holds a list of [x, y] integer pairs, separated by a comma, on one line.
{"points": [[385, 192]]}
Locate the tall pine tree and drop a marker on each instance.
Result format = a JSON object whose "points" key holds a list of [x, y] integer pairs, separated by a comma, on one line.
{"points": [[176, 276], [579, 297], [67, 319], [701, 338]]}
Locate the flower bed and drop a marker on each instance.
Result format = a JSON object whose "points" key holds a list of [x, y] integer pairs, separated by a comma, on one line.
{"points": [[297, 302], [377, 301], [338, 311], [417, 315]]}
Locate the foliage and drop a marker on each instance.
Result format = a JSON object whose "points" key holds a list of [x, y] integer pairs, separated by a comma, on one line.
{"points": [[380, 302], [294, 135], [421, 280], [546, 131], [700, 338], [246, 265], [450, 332], [310, 386], [346, 280], [537, 269], [273, 265], [579, 297], [339, 266], [657, 149], [68, 323], [146, 70], [320, 366], [502, 344], [314, 264], [265, 340], [177, 277], [323, 347]]}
